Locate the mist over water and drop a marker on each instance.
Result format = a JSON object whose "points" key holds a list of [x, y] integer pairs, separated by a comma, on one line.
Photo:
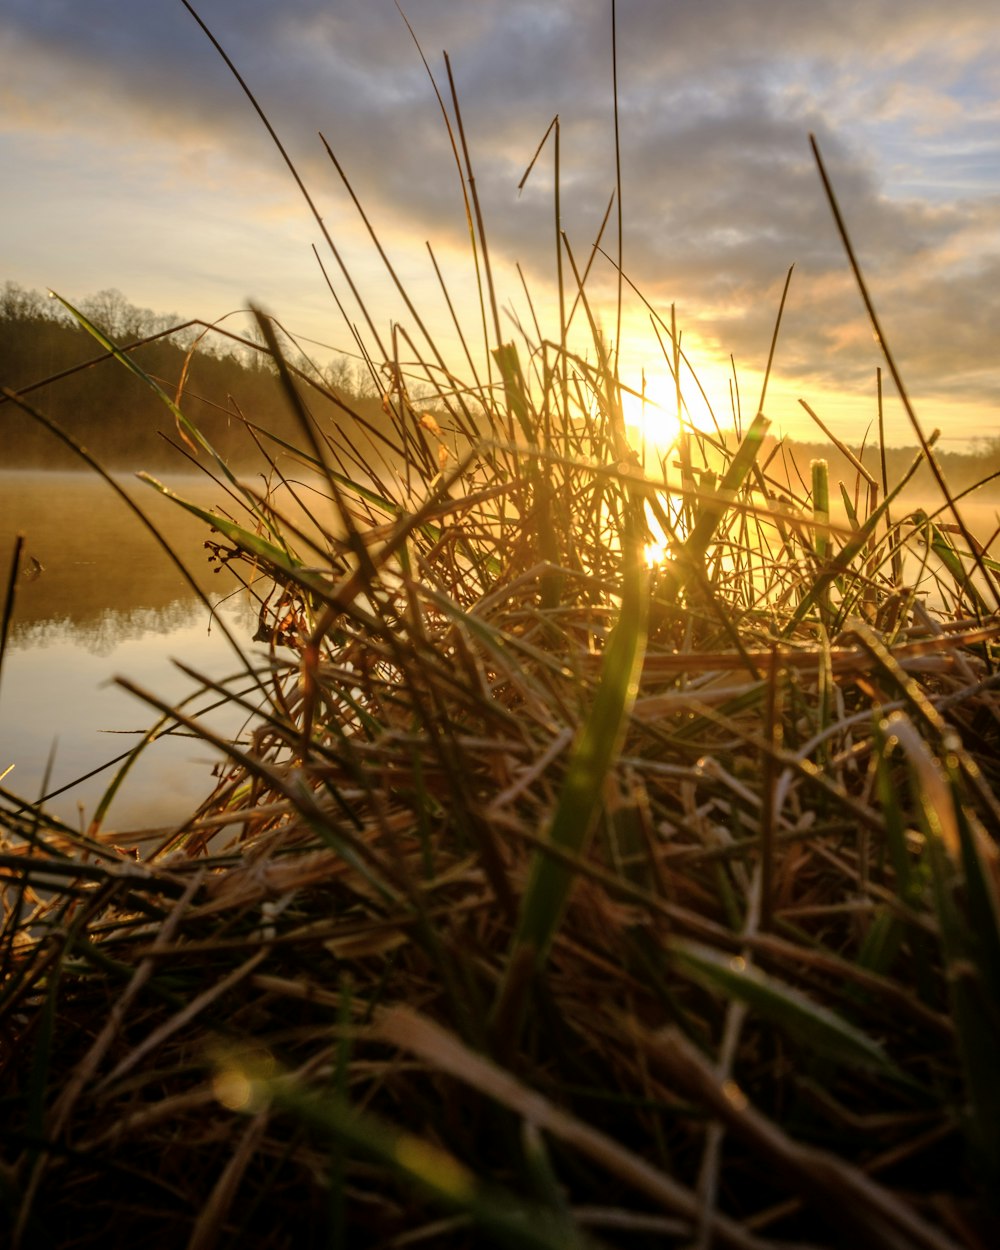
{"points": [[96, 557], [98, 597]]}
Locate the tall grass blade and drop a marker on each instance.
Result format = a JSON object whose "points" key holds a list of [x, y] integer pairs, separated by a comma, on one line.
{"points": [[945, 550], [965, 899], [711, 513], [498, 1214], [925, 443], [9, 596], [579, 799], [822, 1031], [858, 544], [189, 431]]}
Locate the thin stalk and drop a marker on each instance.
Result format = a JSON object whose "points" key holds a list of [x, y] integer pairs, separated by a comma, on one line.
{"points": [[925, 443]]}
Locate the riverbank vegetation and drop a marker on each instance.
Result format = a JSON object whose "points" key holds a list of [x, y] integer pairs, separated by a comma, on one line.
{"points": [[610, 858], [217, 371], [222, 372]]}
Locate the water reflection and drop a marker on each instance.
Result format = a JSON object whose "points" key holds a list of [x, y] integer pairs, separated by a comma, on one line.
{"points": [[101, 634], [102, 598], [92, 555]]}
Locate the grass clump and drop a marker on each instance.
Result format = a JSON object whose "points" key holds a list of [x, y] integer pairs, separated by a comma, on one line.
{"points": [[554, 897]]}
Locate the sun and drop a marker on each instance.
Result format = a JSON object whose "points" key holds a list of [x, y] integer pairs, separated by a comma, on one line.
{"points": [[650, 410]]}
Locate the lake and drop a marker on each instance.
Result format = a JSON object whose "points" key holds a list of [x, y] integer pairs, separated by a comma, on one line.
{"points": [[102, 600]]}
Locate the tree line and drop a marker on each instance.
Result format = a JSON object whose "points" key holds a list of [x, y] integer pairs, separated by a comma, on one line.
{"points": [[124, 424], [115, 415], [789, 461]]}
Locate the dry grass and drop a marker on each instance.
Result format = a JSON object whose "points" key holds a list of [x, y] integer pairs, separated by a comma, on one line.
{"points": [[554, 900]]}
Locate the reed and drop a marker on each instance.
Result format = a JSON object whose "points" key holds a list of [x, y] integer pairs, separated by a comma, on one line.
{"points": [[556, 898]]}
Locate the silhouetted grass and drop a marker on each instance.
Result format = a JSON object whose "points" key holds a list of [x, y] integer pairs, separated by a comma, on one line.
{"points": [[559, 897]]}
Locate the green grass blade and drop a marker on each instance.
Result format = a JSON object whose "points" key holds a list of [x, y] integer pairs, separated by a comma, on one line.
{"points": [[849, 508], [188, 429], [270, 555], [824, 1032], [947, 553], [595, 750], [421, 1165], [711, 513], [910, 877], [580, 796], [969, 922], [851, 549], [514, 389], [821, 507], [982, 903], [975, 984]]}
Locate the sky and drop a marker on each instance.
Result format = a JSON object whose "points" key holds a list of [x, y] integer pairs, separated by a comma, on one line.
{"points": [[133, 160]]}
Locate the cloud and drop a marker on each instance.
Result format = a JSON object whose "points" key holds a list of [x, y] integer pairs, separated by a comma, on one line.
{"points": [[716, 101]]}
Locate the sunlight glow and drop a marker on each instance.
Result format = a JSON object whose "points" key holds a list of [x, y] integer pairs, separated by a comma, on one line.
{"points": [[650, 409], [240, 1080], [708, 395], [655, 554]]}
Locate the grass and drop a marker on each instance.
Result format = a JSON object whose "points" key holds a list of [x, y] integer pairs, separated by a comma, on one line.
{"points": [[554, 899]]}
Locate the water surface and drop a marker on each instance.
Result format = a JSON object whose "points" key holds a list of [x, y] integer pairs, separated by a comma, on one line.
{"points": [[97, 598]]}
